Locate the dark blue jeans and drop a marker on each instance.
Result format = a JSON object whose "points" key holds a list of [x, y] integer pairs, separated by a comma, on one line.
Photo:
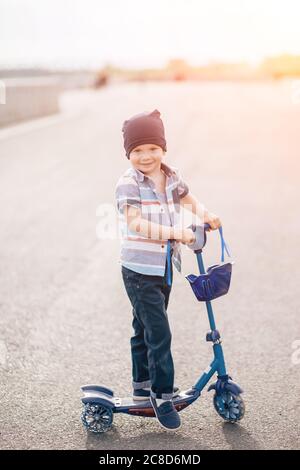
{"points": [[152, 362]]}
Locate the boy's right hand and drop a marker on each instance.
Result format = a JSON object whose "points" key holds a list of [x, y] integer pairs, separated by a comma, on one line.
{"points": [[188, 236]]}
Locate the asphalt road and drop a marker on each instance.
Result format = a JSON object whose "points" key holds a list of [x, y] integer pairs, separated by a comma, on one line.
{"points": [[65, 318]]}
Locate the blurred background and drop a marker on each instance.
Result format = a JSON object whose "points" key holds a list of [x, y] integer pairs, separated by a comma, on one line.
{"points": [[226, 78], [49, 47]]}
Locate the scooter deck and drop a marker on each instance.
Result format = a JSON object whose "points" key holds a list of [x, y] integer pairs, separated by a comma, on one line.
{"points": [[94, 394]]}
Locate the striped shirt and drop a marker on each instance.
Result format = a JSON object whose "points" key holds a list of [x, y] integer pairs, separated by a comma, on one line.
{"points": [[141, 254]]}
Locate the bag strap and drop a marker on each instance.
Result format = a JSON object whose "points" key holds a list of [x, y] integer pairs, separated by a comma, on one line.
{"points": [[169, 263], [223, 245]]}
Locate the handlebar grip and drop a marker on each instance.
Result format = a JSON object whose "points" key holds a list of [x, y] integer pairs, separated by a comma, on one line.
{"points": [[205, 226], [200, 234]]}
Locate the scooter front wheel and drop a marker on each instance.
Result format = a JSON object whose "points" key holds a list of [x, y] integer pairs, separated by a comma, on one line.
{"points": [[229, 406], [97, 418]]}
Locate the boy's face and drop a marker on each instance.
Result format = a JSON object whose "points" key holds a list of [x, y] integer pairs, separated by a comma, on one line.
{"points": [[146, 157]]}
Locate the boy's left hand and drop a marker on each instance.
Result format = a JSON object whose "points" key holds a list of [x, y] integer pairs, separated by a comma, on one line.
{"points": [[213, 220]]}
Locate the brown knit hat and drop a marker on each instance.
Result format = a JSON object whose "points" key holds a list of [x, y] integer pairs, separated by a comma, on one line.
{"points": [[144, 128]]}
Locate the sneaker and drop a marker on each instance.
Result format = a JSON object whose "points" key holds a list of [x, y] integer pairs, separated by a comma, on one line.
{"points": [[166, 414], [143, 394]]}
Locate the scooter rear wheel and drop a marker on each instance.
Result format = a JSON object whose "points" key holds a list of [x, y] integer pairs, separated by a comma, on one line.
{"points": [[97, 418], [229, 406]]}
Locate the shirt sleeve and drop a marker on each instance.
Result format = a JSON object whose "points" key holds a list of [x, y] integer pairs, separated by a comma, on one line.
{"points": [[127, 192], [182, 186]]}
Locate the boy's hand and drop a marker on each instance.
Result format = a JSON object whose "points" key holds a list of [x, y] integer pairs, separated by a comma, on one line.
{"points": [[188, 236], [213, 220]]}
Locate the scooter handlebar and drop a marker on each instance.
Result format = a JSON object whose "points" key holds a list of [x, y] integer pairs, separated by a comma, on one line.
{"points": [[200, 233], [202, 227]]}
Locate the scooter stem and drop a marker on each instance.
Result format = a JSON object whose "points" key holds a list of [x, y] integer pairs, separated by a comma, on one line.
{"points": [[208, 303]]}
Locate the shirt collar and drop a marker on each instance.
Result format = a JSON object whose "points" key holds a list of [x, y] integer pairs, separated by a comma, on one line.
{"points": [[165, 168]]}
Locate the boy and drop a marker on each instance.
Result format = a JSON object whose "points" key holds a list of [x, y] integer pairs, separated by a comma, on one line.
{"points": [[149, 198]]}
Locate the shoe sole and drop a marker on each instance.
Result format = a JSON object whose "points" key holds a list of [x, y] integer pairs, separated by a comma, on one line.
{"points": [[164, 427], [148, 398], [141, 398]]}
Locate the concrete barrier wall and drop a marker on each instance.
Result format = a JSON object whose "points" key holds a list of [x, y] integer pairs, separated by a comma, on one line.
{"points": [[32, 97], [27, 98]]}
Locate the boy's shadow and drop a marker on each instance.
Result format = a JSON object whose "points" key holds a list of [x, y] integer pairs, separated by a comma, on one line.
{"points": [[236, 436], [155, 440]]}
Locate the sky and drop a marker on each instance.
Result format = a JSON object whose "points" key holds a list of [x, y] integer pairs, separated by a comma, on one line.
{"points": [[140, 34]]}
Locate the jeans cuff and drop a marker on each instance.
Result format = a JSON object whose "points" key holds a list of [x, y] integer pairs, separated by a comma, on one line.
{"points": [[139, 385], [163, 396]]}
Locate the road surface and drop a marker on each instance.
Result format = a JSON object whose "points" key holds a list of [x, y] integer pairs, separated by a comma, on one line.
{"points": [[65, 318]]}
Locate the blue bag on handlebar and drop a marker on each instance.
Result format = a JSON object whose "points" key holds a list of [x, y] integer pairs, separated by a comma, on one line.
{"points": [[216, 281]]}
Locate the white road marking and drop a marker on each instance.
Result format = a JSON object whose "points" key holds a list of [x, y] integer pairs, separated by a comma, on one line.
{"points": [[34, 124]]}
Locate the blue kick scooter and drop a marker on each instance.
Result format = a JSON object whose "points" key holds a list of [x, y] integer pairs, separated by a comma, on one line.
{"points": [[99, 402]]}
